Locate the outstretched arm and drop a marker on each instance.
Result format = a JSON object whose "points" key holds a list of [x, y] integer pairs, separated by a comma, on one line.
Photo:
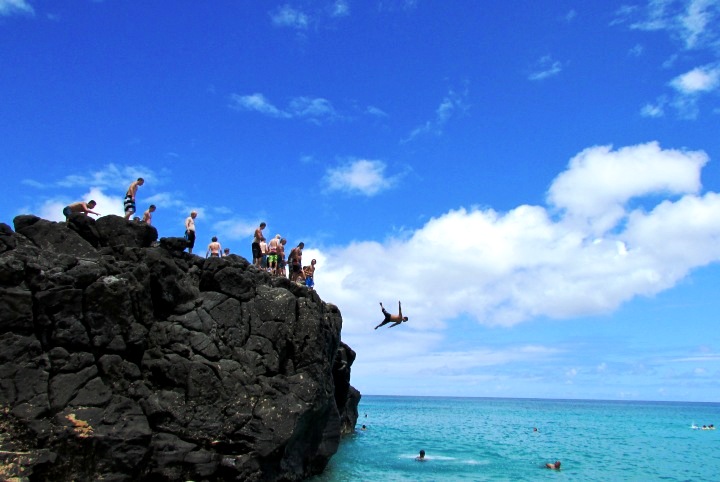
{"points": [[88, 211], [400, 310]]}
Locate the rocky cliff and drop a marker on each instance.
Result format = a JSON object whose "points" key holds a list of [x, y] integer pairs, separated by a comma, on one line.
{"points": [[126, 359]]}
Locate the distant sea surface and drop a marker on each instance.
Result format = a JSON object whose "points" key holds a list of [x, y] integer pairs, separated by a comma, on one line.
{"points": [[493, 439]]}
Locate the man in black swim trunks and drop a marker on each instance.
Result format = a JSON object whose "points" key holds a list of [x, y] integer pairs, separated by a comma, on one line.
{"points": [[130, 197], [394, 319], [190, 231]]}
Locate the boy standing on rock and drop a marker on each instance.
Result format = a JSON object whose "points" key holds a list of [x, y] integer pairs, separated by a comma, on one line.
{"points": [[256, 251], [190, 230], [147, 215], [130, 197]]}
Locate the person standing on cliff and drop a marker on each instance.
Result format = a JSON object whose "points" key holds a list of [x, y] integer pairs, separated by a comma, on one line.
{"points": [[295, 259], [147, 215], [281, 257], [309, 272], [190, 230], [273, 254], [214, 248], [80, 207], [256, 251], [395, 319], [130, 197]]}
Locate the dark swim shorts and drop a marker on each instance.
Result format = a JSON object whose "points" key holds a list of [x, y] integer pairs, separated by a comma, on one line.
{"points": [[256, 251]]}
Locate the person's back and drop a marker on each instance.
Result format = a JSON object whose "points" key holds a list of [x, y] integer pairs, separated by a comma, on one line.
{"points": [[214, 248]]}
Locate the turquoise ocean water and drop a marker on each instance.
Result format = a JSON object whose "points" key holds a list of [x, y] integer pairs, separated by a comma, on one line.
{"points": [[493, 439]]}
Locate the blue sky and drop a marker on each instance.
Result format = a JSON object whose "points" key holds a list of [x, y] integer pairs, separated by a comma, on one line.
{"points": [[536, 181]]}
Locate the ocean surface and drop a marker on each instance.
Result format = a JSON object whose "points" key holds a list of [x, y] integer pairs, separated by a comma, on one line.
{"points": [[493, 439]]}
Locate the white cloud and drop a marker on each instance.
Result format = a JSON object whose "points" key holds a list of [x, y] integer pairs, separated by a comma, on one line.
{"points": [[652, 110], [527, 263], [96, 185], [375, 111], [51, 209], [111, 176], [256, 102], [691, 22], [366, 177], [14, 7], [312, 109], [600, 181], [340, 8], [544, 68], [636, 51], [693, 25], [698, 15], [451, 104], [698, 80], [234, 229], [287, 16]]}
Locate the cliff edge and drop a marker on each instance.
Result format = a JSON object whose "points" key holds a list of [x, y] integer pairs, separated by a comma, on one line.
{"points": [[122, 358]]}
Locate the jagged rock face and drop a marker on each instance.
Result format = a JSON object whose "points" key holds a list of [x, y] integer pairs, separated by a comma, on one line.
{"points": [[121, 361]]}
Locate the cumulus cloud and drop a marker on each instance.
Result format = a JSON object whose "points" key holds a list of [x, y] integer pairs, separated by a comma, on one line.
{"points": [[363, 176], [93, 185], [631, 222], [600, 181], [698, 80], [15, 7], [51, 208]]}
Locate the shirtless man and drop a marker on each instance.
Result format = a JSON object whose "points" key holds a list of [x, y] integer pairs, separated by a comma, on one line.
{"points": [[395, 319], [555, 466], [264, 252], [80, 207], [273, 254], [130, 197], [214, 248], [256, 252], [226, 252], [309, 272], [281, 257], [190, 230], [147, 215], [295, 259]]}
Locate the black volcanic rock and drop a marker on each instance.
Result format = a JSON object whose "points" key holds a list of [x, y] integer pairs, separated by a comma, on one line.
{"points": [[122, 361]]}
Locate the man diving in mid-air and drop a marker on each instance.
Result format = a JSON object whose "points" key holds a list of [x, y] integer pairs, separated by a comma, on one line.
{"points": [[394, 319]]}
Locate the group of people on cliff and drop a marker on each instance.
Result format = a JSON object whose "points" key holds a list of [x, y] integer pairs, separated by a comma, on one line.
{"points": [[266, 256]]}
